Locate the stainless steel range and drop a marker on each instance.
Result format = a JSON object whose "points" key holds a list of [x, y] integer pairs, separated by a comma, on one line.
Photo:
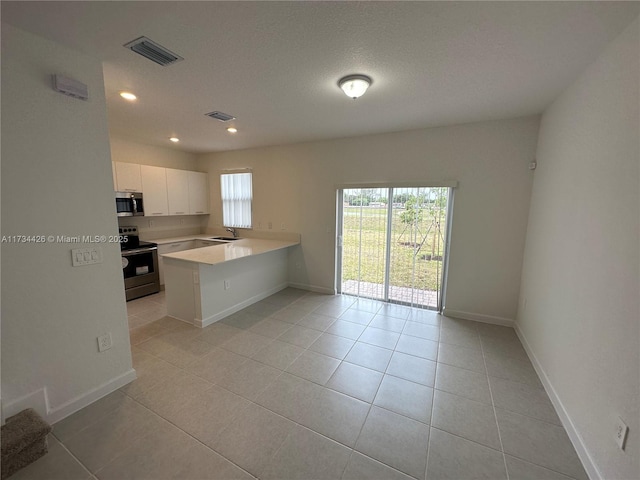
{"points": [[139, 264]]}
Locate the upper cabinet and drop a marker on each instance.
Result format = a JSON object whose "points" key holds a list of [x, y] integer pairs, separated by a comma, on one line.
{"points": [[128, 177], [154, 190], [178, 191], [167, 191], [198, 193]]}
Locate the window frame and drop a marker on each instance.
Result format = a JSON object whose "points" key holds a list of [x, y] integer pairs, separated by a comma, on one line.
{"points": [[237, 207]]}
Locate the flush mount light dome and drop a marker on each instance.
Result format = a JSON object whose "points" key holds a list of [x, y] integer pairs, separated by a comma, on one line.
{"points": [[354, 86], [232, 130], [128, 96], [174, 139]]}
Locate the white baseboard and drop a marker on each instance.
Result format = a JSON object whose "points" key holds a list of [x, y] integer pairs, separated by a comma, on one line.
{"points": [[575, 437], [313, 288], [205, 322], [81, 401], [39, 401], [478, 317]]}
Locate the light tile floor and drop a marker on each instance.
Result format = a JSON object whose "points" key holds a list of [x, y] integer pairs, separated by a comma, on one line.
{"points": [[306, 386]]}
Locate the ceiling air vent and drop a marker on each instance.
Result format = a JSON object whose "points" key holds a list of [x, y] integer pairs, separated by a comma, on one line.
{"points": [[223, 117], [154, 52]]}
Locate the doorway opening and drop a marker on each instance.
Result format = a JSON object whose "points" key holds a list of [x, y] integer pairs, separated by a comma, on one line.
{"points": [[393, 244]]}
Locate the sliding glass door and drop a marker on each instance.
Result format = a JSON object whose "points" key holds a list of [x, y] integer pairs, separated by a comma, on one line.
{"points": [[392, 243]]}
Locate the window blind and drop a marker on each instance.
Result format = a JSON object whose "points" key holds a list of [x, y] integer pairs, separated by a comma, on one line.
{"points": [[237, 194]]}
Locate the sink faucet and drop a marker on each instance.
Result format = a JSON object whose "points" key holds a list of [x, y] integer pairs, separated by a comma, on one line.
{"points": [[233, 232]]}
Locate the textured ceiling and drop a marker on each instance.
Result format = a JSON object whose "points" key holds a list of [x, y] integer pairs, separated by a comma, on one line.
{"points": [[275, 65]]}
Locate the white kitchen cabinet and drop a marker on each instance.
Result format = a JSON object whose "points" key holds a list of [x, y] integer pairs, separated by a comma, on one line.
{"points": [[154, 190], [128, 177], [178, 191], [167, 191], [198, 193], [172, 248]]}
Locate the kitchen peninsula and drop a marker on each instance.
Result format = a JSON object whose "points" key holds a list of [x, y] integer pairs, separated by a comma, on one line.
{"points": [[207, 284]]}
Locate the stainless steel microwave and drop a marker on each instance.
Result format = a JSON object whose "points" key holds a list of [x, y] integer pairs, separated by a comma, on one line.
{"points": [[129, 204]]}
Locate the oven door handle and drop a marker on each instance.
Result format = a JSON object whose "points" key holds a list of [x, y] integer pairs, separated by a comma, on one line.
{"points": [[126, 253]]}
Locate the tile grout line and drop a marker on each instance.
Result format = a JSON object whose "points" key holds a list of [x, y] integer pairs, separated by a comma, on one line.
{"points": [[195, 438], [493, 406], [91, 474], [275, 413], [441, 326], [433, 398], [186, 433], [367, 415], [254, 401]]}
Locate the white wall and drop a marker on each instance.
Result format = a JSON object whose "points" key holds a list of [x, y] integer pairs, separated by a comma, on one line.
{"points": [[56, 180], [580, 275], [127, 151], [296, 185]]}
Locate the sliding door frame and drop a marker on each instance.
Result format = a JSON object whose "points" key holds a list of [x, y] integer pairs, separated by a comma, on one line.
{"points": [[451, 185]]}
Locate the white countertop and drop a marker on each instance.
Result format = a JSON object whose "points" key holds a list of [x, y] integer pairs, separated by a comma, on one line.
{"points": [[245, 247]]}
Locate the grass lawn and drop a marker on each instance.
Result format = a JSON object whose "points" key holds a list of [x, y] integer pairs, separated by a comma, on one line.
{"points": [[411, 252]]}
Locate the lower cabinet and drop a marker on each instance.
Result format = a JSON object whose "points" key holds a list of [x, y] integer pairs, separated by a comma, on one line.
{"points": [[172, 248]]}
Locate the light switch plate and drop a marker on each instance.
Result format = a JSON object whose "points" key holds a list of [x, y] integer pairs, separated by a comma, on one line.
{"points": [[86, 256]]}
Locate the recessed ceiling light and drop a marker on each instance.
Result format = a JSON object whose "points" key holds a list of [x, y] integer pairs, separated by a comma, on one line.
{"points": [[354, 86], [128, 96], [174, 139], [232, 130]]}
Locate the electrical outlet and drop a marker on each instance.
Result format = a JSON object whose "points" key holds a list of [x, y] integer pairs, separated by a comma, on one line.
{"points": [[283, 226], [151, 223], [298, 265], [621, 433], [227, 284], [196, 278], [270, 225], [104, 342]]}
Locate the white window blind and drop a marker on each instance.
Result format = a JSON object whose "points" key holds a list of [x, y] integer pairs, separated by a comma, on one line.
{"points": [[237, 194]]}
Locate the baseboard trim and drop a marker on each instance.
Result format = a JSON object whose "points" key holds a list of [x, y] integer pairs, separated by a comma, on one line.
{"points": [[478, 317], [205, 322], [575, 437], [81, 401], [313, 288], [38, 400]]}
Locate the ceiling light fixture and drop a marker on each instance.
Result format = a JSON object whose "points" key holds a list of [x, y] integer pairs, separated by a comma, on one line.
{"points": [[128, 96], [232, 130], [174, 139], [354, 86]]}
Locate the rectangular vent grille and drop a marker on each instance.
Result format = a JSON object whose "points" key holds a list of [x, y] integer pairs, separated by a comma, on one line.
{"points": [[223, 117], [154, 52]]}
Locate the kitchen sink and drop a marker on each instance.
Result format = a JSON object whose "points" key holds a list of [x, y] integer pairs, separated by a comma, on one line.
{"points": [[228, 239]]}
